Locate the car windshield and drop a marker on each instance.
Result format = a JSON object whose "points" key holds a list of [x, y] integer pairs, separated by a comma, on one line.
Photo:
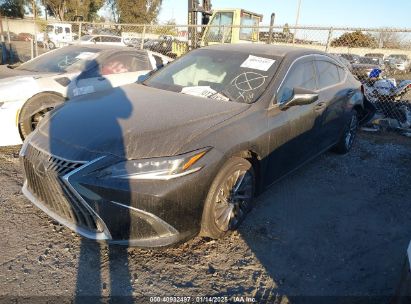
{"points": [[66, 59], [399, 57], [223, 75], [86, 38]]}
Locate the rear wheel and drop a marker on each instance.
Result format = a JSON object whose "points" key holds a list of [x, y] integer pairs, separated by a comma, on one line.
{"points": [[34, 110], [229, 199], [350, 132]]}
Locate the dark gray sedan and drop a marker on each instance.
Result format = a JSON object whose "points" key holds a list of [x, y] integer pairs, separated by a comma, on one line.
{"points": [[186, 152]]}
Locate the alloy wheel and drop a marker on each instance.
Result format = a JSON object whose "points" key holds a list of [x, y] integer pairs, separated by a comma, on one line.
{"points": [[233, 200]]}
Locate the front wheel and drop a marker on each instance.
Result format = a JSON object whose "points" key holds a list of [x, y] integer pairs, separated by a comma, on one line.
{"points": [[229, 199], [346, 141], [34, 110]]}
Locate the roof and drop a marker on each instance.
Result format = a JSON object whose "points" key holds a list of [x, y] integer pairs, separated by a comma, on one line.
{"points": [[264, 49]]}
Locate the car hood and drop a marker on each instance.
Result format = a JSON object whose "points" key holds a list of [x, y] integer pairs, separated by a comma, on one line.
{"points": [[17, 84], [132, 121]]}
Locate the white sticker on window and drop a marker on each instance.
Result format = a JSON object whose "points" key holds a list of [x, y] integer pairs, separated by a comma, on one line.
{"points": [[257, 63], [83, 90], [86, 56], [200, 91]]}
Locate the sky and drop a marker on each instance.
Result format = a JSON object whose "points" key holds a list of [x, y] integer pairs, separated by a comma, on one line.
{"points": [[346, 13]]}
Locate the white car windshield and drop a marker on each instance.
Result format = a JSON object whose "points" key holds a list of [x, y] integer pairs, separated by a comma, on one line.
{"points": [[66, 59]]}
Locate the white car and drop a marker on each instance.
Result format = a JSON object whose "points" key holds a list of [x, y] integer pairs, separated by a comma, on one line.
{"points": [[37, 86], [101, 39]]}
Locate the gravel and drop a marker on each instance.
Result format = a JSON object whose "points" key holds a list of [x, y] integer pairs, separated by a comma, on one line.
{"points": [[337, 227]]}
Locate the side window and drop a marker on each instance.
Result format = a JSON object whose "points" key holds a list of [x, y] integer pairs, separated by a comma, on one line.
{"points": [[328, 74], [248, 33], [125, 63], [59, 30], [341, 73], [301, 75], [110, 39], [67, 29]]}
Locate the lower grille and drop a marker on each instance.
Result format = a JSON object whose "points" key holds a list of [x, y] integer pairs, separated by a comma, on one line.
{"points": [[43, 174]]}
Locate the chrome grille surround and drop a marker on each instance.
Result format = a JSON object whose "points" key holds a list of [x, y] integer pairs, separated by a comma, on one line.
{"points": [[47, 186]]}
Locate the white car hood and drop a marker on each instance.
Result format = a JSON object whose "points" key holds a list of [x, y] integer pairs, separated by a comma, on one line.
{"points": [[12, 81]]}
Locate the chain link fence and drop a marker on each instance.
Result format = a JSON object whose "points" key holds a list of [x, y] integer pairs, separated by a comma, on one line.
{"points": [[379, 57]]}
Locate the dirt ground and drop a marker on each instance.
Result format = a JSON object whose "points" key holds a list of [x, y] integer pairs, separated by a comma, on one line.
{"points": [[337, 227]]}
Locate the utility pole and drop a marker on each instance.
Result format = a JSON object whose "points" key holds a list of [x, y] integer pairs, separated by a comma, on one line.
{"points": [[35, 28], [1, 30], [297, 19]]}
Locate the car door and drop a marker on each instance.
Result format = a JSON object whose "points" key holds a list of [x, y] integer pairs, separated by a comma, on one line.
{"points": [[333, 94], [298, 143]]}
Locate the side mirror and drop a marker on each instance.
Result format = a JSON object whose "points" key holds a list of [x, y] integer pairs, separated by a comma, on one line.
{"points": [[300, 97]]}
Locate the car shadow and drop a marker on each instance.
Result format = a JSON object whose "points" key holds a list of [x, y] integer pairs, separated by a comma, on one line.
{"points": [[326, 233]]}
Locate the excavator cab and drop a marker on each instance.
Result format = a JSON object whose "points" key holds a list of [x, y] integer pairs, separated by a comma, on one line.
{"points": [[231, 26], [219, 26]]}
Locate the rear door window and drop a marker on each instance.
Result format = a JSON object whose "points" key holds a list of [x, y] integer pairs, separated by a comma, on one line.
{"points": [[328, 74]]}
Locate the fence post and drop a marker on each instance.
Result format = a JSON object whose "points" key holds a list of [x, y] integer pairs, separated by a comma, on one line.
{"points": [[8, 30], [330, 34], [79, 30], [31, 49], [223, 36], [142, 37], [270, 31]]}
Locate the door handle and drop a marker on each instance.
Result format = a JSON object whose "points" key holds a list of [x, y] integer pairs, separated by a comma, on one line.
{"points": [[101, 78], [350, 93]]}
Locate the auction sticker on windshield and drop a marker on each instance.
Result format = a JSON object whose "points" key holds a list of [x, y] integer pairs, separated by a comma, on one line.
{"points": [[257, 63]]}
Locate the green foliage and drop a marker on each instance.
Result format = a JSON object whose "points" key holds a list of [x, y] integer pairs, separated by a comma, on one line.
{"points": [[68, 9], [169, 28], [135, 11], [12, 8], [355, 39]]}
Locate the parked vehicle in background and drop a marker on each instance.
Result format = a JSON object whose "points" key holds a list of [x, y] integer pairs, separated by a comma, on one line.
{"points": [[400, 62], [161, 45], [56, 35], [100, 39], [352, 58], [375, 55], [25, 37], [187, 150], [365, 65], [29, 91]]}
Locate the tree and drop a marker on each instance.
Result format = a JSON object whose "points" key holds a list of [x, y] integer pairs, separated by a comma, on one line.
{"points": [[12, 8], [68, 9], [169, 28], [389, 40], [355, 39], [135, 11]]}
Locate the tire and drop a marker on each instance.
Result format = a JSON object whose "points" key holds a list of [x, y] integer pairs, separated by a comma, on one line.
{"points": [[346, 141], [34, 110], [51, 45], [224, 210]]}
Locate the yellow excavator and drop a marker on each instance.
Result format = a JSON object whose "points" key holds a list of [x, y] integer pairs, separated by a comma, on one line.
{"points": [[218, 26]]}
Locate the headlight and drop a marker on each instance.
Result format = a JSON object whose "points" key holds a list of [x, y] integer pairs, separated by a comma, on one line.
{"points": [[164, 168]]}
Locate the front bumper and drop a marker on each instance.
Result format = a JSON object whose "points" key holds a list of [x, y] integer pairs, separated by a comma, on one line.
{"points": [[135, 213], [9, 123]]}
